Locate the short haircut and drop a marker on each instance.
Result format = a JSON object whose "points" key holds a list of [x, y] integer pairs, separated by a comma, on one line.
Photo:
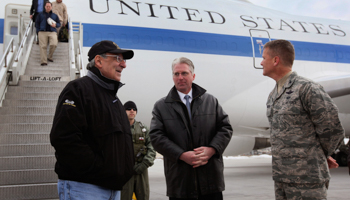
{"points": [[283, 49], [91, 64], [185, 61], [46, 2]]}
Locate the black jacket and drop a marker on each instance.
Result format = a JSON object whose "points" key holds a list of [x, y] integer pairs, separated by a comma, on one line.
{"points": [[172, 134], [33, 9], [91, 133]]}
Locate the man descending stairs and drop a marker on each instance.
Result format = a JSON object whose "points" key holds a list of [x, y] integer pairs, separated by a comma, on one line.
{"points": [[26, 156]]}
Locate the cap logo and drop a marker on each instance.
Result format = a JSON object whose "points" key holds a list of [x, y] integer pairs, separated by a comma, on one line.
{"points": [[116, 45]]}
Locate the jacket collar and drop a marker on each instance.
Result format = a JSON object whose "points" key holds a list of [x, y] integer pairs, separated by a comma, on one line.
{"points": [[290, 81], [104, 82], [197, 91]]}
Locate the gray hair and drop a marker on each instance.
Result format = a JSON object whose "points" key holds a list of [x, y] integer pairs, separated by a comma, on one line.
{"points": [[91, 64], [184, 61]]}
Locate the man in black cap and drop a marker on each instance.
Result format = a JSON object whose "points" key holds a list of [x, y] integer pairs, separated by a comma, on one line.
{"points": [[144, 155], [91, 132]]}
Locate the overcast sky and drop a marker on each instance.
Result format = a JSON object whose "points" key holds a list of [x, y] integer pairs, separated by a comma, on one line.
{"points": [[332, 9]]}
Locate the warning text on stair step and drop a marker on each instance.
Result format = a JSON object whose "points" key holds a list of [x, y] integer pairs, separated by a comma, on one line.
{"points": [[45, 78]]}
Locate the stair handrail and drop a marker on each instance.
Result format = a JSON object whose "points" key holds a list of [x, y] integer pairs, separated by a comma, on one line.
{"points": [[82, 68], [72, 64], [22, 56], [5, 70]]}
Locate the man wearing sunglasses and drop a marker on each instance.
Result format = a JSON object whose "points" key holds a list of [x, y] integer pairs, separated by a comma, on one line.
{"points": [[91, 132], [144, 155]]}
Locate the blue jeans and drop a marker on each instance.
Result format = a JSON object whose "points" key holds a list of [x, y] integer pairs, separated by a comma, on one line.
{"points": [[72, 190]]}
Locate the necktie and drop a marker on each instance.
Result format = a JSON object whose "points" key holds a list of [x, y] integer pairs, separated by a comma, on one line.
{"points": [[188, 105]]}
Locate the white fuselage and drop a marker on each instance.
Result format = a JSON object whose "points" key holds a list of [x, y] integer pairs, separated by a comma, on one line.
{"points": [[217, 36]]}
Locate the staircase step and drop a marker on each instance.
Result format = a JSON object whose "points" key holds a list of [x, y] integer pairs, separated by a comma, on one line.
{"points": [[44, 78], [25, 128], [7, 119], [29, 83], [30, 191], [59, 54], [33, 96], [19, 89], [19, 177], [27, 110], [24, 138], [36, 102], [27, 162], [26, 149], [52, 73], [49, 67]]}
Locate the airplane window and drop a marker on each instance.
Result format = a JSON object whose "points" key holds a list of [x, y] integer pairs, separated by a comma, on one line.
{"points": [[193, 43], [203, 44], [306, 52], [314, 53], [147, 39], [323, 54], [348, 55], [169, 41], [340, 54], [331, 54], [233, 46], [14, 30], [135, 39], [213, 45], [223, 45]]}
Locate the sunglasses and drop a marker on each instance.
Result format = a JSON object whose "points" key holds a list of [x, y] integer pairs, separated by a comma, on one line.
{"points": [[131, 109]]}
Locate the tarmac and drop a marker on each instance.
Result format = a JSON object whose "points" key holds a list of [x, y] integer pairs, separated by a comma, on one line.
{"points": [[249, 178]]}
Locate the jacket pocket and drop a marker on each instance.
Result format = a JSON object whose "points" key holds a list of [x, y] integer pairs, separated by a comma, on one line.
{"points": [[294, 161]]}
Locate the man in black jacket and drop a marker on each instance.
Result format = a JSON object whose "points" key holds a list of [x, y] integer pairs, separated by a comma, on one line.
{"points": [[38, 6], [91, 131], [191, 130]]}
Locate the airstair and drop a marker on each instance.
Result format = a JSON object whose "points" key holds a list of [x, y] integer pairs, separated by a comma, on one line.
{"points": [[26, 118], [28, 105]]}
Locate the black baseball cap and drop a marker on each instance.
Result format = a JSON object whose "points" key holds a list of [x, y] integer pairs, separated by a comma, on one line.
{"points": [[107, 46], [129, 105]]}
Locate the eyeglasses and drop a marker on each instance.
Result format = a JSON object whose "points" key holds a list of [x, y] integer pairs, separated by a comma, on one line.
{"points": [[182, 74], [118, 58], [131, 109]]}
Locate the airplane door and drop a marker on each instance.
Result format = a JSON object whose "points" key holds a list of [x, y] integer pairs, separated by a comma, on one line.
{"points": [[258, 39]]}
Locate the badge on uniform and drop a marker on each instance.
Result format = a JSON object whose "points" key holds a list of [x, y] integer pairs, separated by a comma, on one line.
{"points": [[141, 138]]}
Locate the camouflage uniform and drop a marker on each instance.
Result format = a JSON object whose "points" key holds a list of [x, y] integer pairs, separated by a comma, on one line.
{"points": [[305, 130], [144, 158]]}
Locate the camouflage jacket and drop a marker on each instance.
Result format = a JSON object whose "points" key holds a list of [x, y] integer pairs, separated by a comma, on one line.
{"points": [[305, 130], [143, 149]]}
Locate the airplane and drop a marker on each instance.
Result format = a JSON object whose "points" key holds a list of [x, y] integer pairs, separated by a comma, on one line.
{"points": [[224, 39]]}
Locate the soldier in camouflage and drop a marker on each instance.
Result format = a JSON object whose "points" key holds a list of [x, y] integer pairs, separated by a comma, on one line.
{"points": [[144, 157], [305, 128]]}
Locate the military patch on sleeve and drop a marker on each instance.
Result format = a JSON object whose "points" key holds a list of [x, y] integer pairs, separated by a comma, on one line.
{"points": [[69, 103]]}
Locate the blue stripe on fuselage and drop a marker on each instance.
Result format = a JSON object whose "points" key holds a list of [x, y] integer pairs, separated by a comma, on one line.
{"points": [[1, 31], [198, 42], [206, 43]]}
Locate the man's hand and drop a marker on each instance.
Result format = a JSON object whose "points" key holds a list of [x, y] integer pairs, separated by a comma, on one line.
{"points": [[198, 156], [205, 154], [332, 163], [31, 16], [190, 157], [53, 25]]}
